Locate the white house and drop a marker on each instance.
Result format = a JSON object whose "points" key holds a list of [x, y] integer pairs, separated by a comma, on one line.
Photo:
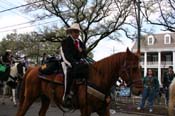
{"points": [[157, 53]]}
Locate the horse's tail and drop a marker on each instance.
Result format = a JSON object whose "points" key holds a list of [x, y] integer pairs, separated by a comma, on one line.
{"points": [[22, 91], [171, 98]]}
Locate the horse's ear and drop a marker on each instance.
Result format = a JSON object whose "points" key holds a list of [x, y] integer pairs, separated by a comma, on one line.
{"points": [[127, 50], [138, 53]]}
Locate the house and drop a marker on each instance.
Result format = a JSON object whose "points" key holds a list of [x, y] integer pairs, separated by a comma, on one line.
{"points": [[157, 53]]}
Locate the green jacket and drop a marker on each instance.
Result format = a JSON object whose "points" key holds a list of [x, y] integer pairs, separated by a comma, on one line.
{"points": [[151, 82]]}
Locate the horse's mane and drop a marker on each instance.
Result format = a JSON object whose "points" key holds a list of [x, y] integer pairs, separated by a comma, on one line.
{"points": [[106, 65]]}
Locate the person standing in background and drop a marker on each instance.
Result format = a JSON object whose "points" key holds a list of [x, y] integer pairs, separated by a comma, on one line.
{"points": [[151, 86], [167, 79]]}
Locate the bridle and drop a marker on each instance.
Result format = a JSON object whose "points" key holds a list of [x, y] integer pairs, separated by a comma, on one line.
{"points": [[127, 70]]}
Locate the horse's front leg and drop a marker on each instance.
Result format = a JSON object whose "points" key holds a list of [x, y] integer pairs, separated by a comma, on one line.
{"points": [[104, 112], [86, 111]]}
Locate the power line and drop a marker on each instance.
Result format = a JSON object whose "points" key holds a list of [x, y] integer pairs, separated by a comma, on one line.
{"points": [[32, 21], [18, 6], [9, 4], [25, 22], [29, 26]]}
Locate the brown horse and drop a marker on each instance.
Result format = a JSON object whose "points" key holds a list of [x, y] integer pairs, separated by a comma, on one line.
{"points": [[103, 74]]}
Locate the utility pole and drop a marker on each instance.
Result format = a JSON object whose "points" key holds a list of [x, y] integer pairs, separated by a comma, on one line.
{"points": [[138, 24]]}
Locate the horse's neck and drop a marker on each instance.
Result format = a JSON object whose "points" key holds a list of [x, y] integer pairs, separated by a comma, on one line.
{"points": [[105, 73]]}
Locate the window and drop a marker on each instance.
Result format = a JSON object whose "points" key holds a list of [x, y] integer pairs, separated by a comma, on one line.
{"points": [[168, 58], [142, 58], [167, 39], [155, 58], [150, 40]]}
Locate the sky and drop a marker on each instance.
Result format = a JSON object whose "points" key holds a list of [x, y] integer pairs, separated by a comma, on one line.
{"points": [[11, 18], [14, 17]]}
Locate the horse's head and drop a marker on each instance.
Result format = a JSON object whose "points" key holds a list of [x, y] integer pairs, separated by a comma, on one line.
{"points": [[130, 72]]}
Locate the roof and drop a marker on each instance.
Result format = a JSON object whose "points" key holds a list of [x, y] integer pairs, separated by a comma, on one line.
{"points": [[158, 43]]}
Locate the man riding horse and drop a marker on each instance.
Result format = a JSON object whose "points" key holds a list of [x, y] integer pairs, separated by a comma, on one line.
{"points": [[72, 51]]}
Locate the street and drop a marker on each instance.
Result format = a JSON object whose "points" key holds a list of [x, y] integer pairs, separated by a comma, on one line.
{"points": [[8, 109]]}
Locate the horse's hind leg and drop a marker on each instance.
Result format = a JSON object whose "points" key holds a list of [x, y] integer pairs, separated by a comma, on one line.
{"points": [[28, 100], [45, 101]]}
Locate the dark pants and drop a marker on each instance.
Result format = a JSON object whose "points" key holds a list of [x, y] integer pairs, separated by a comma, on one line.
{"points": [[69, 81], [167, 96], [78, 71]]}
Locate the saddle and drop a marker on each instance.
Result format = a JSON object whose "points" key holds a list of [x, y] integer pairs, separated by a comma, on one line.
{"points": [[52, 71], [51, 66]]}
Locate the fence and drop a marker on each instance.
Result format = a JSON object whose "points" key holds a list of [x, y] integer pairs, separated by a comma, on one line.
{"points": [[128, 104]]}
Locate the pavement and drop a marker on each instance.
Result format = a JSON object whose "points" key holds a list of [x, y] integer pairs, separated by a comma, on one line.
{"points": [[121, 106], [8, 109]]}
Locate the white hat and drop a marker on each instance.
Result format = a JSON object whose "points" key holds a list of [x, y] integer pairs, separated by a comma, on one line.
{"points": [[74, 26]]}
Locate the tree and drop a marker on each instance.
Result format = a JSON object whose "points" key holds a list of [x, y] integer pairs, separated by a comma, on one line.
{"points": [[28, 44], [160, 12], [99, 19]]}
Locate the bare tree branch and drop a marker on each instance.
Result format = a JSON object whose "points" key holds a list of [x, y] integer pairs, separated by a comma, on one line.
{"points": [[99, 19], [164, 10]]}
